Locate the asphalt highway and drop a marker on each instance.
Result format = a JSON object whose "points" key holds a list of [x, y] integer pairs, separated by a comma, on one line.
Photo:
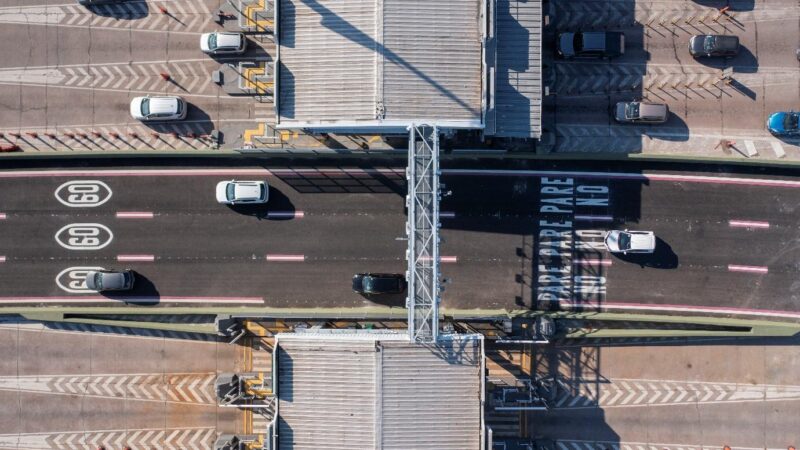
{"points": [[727, 244]]}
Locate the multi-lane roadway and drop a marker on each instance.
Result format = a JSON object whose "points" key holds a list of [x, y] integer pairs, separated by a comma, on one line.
{"points": [[513, 239]]}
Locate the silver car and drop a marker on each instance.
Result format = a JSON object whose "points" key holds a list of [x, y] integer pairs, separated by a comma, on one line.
{"points": [[219, 43], [158, 108], [109, 280], [630, 241], [242, 192]]}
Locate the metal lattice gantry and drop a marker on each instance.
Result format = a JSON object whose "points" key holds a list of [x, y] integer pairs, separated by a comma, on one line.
{"points": [[422, 229]]}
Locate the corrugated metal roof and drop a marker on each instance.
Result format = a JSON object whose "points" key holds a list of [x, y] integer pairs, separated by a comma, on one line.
{"points": [[345, 393], [379, 60], [518, 77]]}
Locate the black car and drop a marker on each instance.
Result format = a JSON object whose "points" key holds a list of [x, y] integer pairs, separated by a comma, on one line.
{"points": [[591, 44], [379, 283], [709, 45]]}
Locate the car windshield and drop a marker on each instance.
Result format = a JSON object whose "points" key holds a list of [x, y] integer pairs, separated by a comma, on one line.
{"points": [[577, 42], [632, 110], [146, 107], [624, 241], [790, 122], [709, 44], [230, 191], [98, 281], [368, 283], [178, 108], [263, 191], [212, 41]]}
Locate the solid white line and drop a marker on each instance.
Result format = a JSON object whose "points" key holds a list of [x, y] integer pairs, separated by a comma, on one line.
{"points": [[590, 262], [448, 259], [99, 299], [591, 218], [748, 224], [624, 176], [286, 214], [286, 258], [134, 215], [447, 214], [141, 258], [750, 269], [133, 173], [682, 308]]}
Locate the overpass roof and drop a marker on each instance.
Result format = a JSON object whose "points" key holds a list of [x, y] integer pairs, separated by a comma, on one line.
{"points": [[352, 63], [368, 390]]}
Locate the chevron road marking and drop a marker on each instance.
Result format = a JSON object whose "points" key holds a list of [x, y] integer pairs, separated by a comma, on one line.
{"points": [[106, 331], [565, 444], [183, 17], [172, 388], [164, 438], [620, 393]]}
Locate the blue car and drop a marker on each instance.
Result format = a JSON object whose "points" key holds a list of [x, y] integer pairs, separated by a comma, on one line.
{"points": [[784, 123]]}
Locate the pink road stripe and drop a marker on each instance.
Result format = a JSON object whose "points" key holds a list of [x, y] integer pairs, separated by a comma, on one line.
{"points": [[286, 214], [141, 258], [448, 259], [592, 262], [683, 308], [751, 269], [591, 218], [193, 172], [748, 224], [286, 258], [134, 215], [447, 214], [624, 176], [2, 259], [99, 299], [2, 216]]}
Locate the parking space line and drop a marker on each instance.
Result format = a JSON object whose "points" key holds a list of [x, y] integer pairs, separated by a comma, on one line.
{"points": [[748, 224], [285, 215], [286, 258], [137, 258], [134, 215], [749, 269], [592, 218]]}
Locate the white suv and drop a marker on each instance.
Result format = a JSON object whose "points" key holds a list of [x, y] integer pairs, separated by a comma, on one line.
{"points": [[630, 241], [242, 192], [217, 43], [158, 108]]}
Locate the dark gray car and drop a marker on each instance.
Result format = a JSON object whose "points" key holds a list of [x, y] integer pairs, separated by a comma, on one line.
{"points": [[591, 44], [708, 45], [109, 280], [379, 283]]}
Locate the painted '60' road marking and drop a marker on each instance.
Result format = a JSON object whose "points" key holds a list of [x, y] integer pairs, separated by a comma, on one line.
{"points": [[83, 193], [84, 236]]}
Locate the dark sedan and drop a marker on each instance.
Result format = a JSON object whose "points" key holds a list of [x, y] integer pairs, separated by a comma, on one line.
{"points": [[379, 283], [709, 45], [591, 44]]}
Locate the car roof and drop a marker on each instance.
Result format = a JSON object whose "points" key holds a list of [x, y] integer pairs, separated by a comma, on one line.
{"points": [[652, 110], [163, 105], [229, 40]]}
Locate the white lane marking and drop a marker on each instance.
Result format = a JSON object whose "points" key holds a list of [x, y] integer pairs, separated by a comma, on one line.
{"points": [[286, 258], [624, 176], [191, 172], [447, 214], [750, 148], [750, 269], [2, 216], [134, 215], [286, 214], [592, 218], [2, 259], [448, 259], [76, 279], [84, 236], [99, 299], [748, 224], [682, 308], [591, 262], [778, 149], [83, 193], [139, 258]]}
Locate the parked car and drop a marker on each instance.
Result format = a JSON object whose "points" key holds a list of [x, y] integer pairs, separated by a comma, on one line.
{"points": [[158, 108], [379, 283], [639, 112], [242, 192], [591, 44], [708, 45], [784, 123], [630, 241], [109, 280], [223, 43]]}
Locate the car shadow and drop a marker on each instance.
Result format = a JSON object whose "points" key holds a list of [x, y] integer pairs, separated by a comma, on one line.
{"points": [[744, 62], [121, 10], [662, 258], [278, 207], [144, 292], [392, 300]]}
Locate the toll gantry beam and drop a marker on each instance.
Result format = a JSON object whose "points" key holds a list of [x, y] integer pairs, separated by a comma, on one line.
{"points": [[422, 229]]}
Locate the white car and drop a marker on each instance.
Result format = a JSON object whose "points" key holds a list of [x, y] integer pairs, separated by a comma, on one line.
{"points": [[218, 43], [242, 192], [630, 241], [158, 108]]}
